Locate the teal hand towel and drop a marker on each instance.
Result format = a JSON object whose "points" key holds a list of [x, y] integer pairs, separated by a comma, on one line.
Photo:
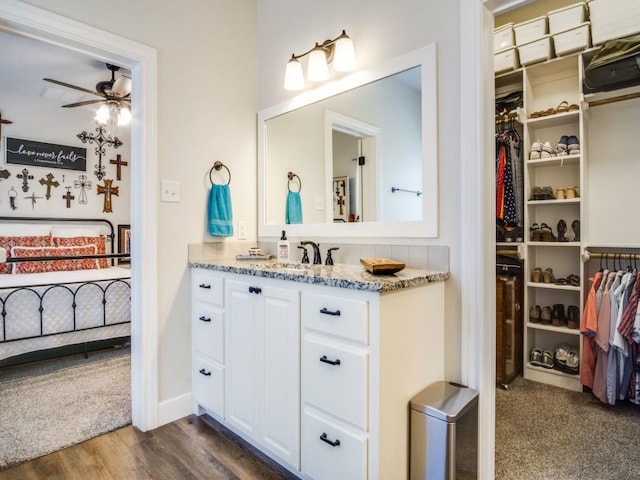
{"points": [[294, 208], [219, 211]]}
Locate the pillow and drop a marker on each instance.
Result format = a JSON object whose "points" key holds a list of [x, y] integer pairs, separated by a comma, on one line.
{"points": [[99, 242], [54, 265], [7, 242]]}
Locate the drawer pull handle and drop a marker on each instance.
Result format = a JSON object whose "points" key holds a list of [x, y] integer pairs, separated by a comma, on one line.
{"points": [[324, 359], [256, 290], [205, 319], [205, 373], [205, 285], [324, 438], [335, 313]]}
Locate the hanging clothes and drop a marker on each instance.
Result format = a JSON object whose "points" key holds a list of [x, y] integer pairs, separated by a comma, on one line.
{"points": [[588, 329]]}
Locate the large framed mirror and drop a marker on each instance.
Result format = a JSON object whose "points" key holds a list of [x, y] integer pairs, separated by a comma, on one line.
{"points": [[355, 157]]}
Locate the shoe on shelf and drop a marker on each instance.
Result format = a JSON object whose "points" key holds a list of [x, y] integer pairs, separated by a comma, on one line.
{"points": [[562, 229], [562, 107], [573, 145], [560, 357], [536, 275], [548, 275], [547, 359], [535, 357], [547, 233], [560, 194], [546, 316], [562, 144], [547, 151], [573, 280], [536, 233], [535, 151], [534, 314], [558, 319], [573, 317], [536, 193], [572, 192], [575, 226], [573, 362], [547, 193]]}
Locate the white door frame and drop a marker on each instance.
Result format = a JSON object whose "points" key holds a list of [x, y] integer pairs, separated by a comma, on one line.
{"points": [[27, 20], [478, 343]]}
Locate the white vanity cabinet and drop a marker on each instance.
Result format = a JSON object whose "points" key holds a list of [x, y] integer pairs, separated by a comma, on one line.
{"points": [[320, 377], [263, 369]]}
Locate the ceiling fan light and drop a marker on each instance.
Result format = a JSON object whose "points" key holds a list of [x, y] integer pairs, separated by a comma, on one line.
{"points": [[293, 76], [317, 69], [344, 57], [124, 117], [102, 115], [122, 86]]}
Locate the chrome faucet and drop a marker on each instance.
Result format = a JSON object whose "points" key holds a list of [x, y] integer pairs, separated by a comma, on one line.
{"points": [[317, 260]]}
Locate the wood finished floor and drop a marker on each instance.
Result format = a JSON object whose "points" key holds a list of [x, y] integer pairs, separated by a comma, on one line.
{"points": [[190, 448]]}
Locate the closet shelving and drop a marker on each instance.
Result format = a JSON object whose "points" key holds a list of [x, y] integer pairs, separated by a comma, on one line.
{"points": [[546, 85]]}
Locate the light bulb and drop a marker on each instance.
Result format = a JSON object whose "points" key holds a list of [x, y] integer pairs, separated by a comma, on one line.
{"points": [[293, 76], [317, 69], [344, 57], [124, 117], [102, 115]]}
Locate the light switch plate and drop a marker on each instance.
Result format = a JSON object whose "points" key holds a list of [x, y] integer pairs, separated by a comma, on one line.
{"points": [[170, 191]]}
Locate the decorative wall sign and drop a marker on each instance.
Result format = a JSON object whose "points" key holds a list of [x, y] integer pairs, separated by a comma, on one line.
{"points": [[40, 154], [33, 200], [107, 190], [49, 182], [120, 163], [25, 179], [68, 197], [84, 184], [12, 198], [101, 141]]}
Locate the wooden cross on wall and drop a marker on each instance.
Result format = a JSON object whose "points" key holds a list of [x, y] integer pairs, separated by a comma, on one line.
{"points": [[49, 182], [68, 197], [120, 163], [107, 190]]}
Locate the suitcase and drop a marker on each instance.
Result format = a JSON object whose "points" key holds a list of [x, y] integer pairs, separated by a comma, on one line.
{"points": [[509, 328], [616, 65]]}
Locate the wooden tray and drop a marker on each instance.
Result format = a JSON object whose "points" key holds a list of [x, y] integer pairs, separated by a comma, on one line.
{"points": [[381, 266]]}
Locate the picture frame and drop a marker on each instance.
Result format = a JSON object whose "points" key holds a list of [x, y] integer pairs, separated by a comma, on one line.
{"points": [[124, 243]]}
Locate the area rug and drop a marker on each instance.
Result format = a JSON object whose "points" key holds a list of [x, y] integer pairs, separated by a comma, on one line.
{"points": [[47, 406]]}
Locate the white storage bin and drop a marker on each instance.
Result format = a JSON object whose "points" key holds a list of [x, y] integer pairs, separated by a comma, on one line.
{"points": [[566, 18], [506, 59], [536, 51], [613, 19], [530, 30], [572, 40], [503, 37]]}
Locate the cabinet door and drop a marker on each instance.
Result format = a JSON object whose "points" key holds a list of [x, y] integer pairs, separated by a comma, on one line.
{"points": [[281, 373], [242, 360]]}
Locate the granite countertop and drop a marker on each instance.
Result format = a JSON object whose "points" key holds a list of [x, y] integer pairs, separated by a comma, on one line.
{"points": [[339, 275]]}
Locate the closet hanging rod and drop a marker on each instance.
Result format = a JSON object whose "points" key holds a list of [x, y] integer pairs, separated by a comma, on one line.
{"points": [[587, 255], [396, 189]]}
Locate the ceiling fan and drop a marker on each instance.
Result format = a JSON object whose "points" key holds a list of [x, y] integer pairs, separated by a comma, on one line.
{"points": [[111, 92]]}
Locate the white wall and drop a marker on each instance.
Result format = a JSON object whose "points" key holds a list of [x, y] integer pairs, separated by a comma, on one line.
{"points": [[382, 30], [43, 120], [206, 112]]}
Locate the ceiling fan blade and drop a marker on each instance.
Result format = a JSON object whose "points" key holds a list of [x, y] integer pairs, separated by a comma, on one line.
{"points": [[80, 104], [122, 86], [68, 85]]}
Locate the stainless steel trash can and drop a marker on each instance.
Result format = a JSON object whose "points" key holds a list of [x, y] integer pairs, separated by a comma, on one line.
{"points": [[444, 433]]}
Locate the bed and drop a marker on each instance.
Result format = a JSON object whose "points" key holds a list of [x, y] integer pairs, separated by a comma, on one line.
{"points": [[60, 285]]}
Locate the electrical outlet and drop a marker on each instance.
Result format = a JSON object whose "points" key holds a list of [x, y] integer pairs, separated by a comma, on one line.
{"points": [[242, 230], [170, 191]]}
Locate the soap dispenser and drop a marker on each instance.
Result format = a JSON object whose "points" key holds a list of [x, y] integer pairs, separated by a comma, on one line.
{"points": [[283, 248]]}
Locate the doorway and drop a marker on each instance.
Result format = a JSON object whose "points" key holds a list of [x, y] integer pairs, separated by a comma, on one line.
{"points": [[23, 19]]}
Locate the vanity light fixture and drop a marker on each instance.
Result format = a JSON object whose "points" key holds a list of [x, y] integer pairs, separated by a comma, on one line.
{"points": [[338, 51]]}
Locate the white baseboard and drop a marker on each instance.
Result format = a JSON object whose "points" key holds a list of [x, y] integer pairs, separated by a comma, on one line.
{"points": [[174, 409]]}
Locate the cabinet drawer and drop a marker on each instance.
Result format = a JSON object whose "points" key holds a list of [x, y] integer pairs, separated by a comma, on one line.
{"points": [[208, 385], [208, 331], [345, 460], [340, 387], [337, 316], [207, 287]]}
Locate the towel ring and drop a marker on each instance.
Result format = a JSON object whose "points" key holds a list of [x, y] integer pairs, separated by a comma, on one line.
{"points": [[290, 176], [218, 165]]}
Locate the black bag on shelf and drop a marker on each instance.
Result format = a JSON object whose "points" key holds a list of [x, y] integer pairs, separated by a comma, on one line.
{"points": [[616, 65], [506, 265]]}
